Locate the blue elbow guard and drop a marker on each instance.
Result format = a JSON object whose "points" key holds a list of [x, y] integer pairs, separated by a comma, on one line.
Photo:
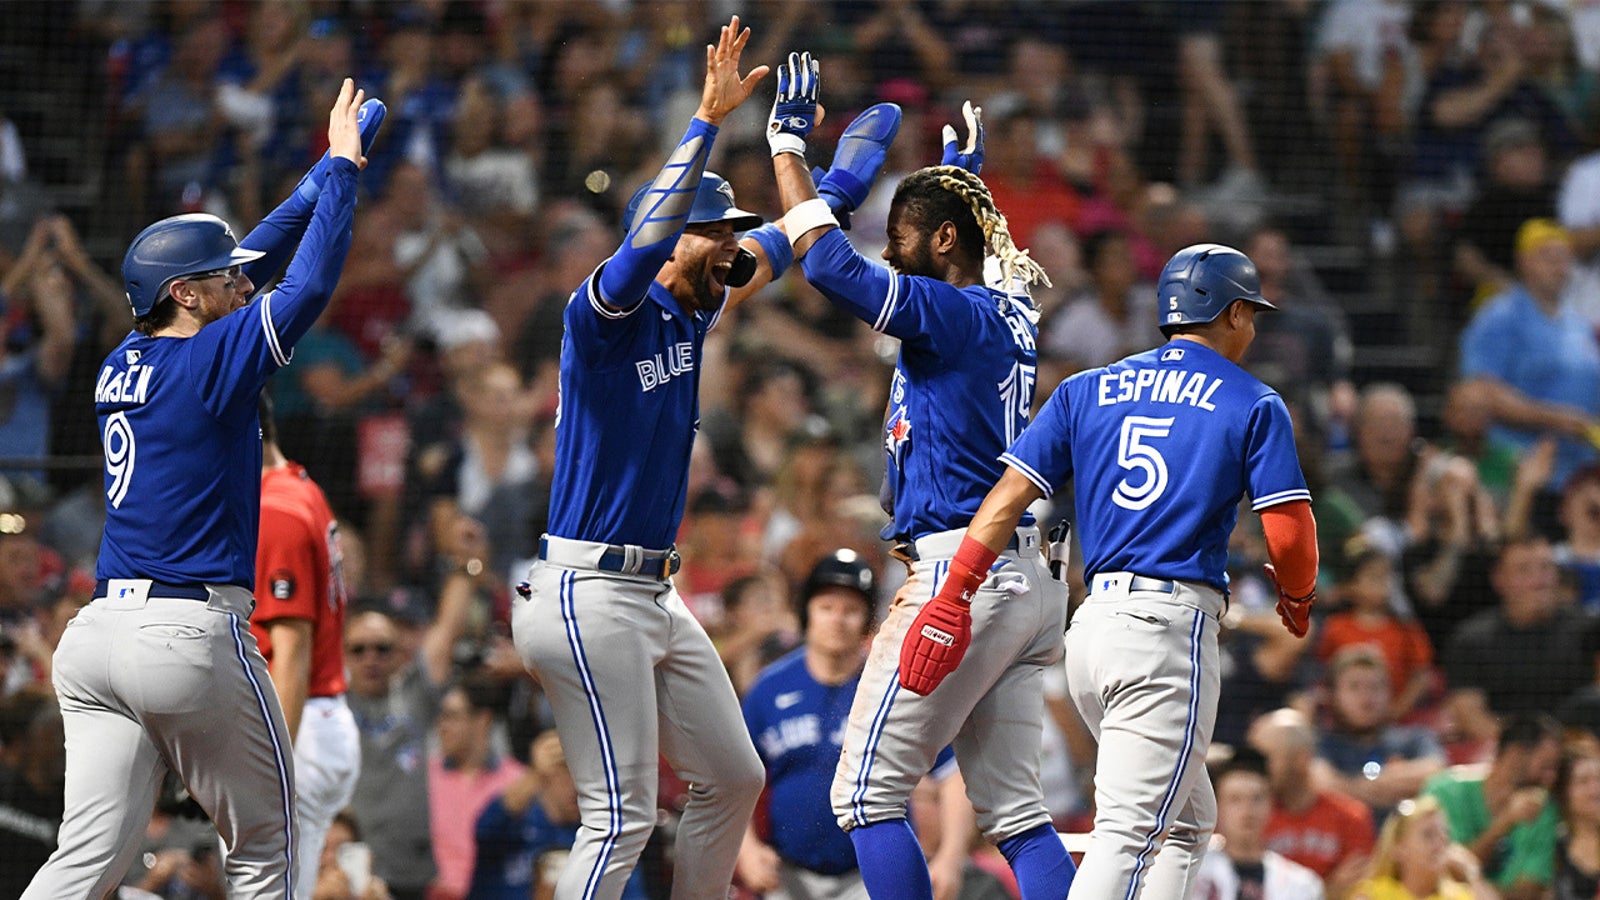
{"points": [[369, 119], [776, 245], [863, 149]]}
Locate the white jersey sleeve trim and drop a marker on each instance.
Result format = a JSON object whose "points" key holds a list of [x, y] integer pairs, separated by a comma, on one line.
{"points": [[1280, 497], [604, 309], [1028, 473], [273, 343], [889, 302]]}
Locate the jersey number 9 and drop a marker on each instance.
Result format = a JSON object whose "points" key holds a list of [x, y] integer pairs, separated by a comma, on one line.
{"points": [[119, 457]]}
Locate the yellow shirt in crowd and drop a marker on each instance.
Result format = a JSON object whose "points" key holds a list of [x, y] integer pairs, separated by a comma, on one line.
{"points": [[1391, 889]]}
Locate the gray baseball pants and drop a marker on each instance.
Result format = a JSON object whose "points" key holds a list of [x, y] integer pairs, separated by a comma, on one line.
{"points": [[630, 675], [1142, 669], [151, 683], [991, 708]]}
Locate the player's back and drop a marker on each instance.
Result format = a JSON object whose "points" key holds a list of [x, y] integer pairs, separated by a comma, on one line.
{"points": [[1163, 445], [962, 392], [183, 459]]}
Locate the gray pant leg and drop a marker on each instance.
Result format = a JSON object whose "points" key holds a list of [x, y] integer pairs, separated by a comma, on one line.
{"points": [[593, 641], [113, 772], [704, 737], [1147, 688], [1172, 875], [803, 884], [223, 731]]}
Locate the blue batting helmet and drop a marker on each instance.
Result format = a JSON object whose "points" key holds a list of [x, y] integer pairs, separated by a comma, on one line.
{"points": [[713, 202], [175, 247], [1199, 282], [844, 569]]}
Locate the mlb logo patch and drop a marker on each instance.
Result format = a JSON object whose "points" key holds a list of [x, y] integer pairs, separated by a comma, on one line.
{"points": [[132, 356], [1172, 354]]}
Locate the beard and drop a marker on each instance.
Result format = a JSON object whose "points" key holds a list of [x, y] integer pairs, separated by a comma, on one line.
{"points": [[918, 262]]}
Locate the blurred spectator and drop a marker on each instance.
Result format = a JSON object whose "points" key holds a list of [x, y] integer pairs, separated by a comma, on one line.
{"points": [[1027, 187], [464, 775], [576, 242], [1304, 350], [1517, 189], [434, 252], [1468, 420], [1452, 537], [522, 833], [1210, 103], [749, 443], [1417, 861], [1362, 48], [1368, 619], [1578, 554], [1113, 317], [1363, 753], [1577, 796], [395, 698], [339, 871], [758, 626], [1578, 208], [1377, 476], [494, 185], [39, 330], [32, 785], [718, 545], [1326, 831], [1537, 354], [1531, 651], [178, 126], [1239, 865], [1504, 813]]}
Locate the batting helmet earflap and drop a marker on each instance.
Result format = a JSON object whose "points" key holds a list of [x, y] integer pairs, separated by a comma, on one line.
{"points": [[841, 568], [175, 247], [713, 202], [1199, 282]]}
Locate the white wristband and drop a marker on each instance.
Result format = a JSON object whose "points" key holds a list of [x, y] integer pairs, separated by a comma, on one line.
{"points": [[787, 143], [813, 213]]}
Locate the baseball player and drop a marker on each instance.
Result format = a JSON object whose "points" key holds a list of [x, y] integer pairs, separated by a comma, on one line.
{"points": [[1160, 446], [796, 713], [160, 671], [299, 626], [962, 392]]}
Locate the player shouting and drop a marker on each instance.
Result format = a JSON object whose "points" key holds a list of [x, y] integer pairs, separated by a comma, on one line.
{"points": [[1160, 447], [160, 669], [962, 391]]}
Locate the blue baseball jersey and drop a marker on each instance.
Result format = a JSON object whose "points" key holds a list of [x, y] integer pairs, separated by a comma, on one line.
{"points": [[962, 389], [629, 411], [178, 421], [798, 724], [1161, 446]]}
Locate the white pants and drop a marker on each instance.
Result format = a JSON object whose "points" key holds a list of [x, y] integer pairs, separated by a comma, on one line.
{"points": [[327, 760], [1142, 669], [151, 682]]}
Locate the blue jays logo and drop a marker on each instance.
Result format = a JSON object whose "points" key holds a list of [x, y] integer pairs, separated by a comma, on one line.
{"points": [[896, 432]]}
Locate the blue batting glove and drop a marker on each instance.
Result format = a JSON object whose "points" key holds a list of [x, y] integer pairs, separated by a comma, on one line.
{"points": [[969, 157], [369, 118], [794, 111], [859, 159]]}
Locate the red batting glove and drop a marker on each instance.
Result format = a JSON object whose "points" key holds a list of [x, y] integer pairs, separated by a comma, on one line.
{"points": [[935, 644], [1294, 611]]}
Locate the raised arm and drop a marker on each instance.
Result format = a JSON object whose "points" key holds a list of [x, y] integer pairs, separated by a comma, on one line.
{"points": [[664, 209]]}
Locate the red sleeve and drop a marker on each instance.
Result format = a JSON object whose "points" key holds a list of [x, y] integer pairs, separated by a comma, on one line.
{"points": [[1362, 836], [1329, 642], [1419, 647], [286, 567], [1291, 534]]}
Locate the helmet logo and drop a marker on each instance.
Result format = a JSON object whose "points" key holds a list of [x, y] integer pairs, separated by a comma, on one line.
{"points": [[726, 190], [1174, 318]]}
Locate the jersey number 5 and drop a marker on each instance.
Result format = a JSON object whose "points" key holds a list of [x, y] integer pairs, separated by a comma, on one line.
{"points": [[1137, 456], [119, 457]]}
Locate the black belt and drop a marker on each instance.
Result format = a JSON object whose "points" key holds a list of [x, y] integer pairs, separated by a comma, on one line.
{"points": [[658, 564], [906, 551], [161, 589], [1141, 583]]}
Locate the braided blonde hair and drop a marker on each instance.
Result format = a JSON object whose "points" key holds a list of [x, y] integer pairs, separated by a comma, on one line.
{"points": [[1014, 261]]}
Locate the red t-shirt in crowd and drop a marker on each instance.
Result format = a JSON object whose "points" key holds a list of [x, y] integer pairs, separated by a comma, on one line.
{"points": [[298, 572], [1335, 828], [1404, 645]]}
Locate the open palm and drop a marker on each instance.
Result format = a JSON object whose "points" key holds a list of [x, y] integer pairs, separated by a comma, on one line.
{"points": [[725, 89]]}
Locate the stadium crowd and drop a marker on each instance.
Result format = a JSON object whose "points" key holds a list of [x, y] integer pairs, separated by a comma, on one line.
{"points": [[1437, 735]]}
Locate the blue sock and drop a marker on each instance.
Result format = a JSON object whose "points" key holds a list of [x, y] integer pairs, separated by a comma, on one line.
{"points": [[1041, 864], [892, 866]]}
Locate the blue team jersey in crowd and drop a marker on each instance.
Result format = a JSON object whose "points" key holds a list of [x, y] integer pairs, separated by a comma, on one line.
{"points": [[1160, 447], [630, 407], [962, 389], [178, 422], [797, 724]]}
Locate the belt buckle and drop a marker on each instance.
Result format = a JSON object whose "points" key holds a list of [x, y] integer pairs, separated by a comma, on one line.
{"points": [[905, 551], [671, 563]]}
